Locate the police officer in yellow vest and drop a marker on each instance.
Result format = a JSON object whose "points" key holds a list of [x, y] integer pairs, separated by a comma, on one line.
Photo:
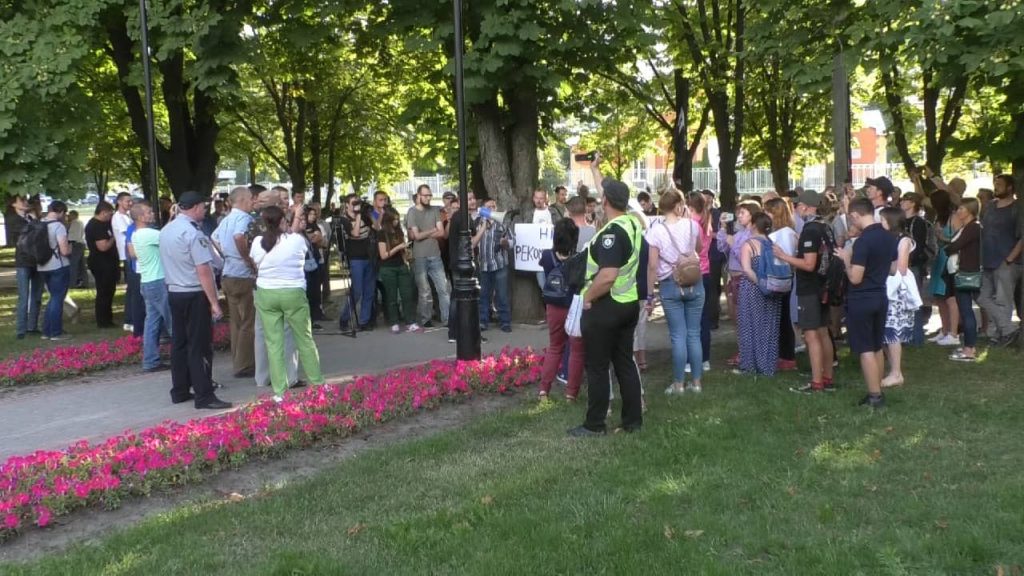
{"points": [[610, 311]]}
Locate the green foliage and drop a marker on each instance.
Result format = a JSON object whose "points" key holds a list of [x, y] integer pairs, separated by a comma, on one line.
{"points": [[788, 102], [619, 128]]}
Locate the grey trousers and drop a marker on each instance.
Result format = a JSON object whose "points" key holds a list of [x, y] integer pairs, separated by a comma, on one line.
{"points": [[996, 298], [263, 363]]}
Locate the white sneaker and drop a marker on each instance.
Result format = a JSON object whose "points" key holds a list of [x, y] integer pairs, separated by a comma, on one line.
{"points": [[687, 370], [414, 327], [800, 348], [695, 388], [948, 340], [706, 366], [396, 329], [277, 398], [937, 337], [128, 328]]}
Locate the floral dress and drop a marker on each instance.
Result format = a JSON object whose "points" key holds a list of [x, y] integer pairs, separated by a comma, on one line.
{"points": [[899, 319]]}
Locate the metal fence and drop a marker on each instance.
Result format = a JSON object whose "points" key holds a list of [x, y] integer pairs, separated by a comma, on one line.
{"points": [[753, 181]]}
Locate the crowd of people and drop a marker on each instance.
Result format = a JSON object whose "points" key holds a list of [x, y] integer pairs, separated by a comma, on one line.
{"points": [[864, 266]]}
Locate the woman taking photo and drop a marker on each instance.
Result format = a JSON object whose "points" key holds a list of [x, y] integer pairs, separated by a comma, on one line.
{"points": [[673, 241], [280, 254], [757, 323], [557, 301], [964, 252], [395, 276]]}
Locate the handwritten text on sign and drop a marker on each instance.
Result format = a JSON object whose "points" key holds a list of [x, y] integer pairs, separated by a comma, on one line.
{"points": [[531, 240]]}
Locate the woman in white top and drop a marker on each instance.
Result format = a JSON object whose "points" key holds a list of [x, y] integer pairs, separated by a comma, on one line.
{"points": [[280, 254], [670, 240], [784, 236], [899, 320]]}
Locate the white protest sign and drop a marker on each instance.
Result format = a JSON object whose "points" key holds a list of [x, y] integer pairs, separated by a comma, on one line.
{"points": [[531, 240]]}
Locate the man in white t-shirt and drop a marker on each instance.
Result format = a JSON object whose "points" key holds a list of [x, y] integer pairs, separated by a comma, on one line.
{"points": [[120, 222]]}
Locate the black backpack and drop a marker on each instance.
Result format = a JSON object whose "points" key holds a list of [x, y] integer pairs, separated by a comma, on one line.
{"points": [[34, 242], [832, 271], [556, 285]]}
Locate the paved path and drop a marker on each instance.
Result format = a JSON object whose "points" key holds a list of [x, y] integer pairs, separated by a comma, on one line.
{"points": [[52, 416]]}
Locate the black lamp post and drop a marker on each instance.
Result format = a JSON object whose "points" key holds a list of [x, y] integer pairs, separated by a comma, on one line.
{"points": [[467, 292], [150, 131]]}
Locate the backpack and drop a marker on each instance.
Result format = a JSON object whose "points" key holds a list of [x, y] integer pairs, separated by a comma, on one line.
{"points": [[556, 285], [34, 242], [923, 252], [832, 271], [774, 278], [686, 270]]}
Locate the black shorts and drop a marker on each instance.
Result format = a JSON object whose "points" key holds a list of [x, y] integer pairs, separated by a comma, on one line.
{"points": [[811, 314], [865, 322]]}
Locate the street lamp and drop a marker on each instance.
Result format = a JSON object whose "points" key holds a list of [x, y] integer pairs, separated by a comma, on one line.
{"points": [[467, 292], [150, 131]]}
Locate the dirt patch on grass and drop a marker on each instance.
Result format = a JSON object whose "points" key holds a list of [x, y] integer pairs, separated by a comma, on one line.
{"points": [[252, 479]]}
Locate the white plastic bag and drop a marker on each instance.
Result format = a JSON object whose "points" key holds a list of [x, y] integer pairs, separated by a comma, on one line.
{"points": [[572, 321]]}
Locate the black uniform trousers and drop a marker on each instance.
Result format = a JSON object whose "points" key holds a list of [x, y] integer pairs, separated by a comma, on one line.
{"points": [[105, 276], [608, 337], [192, 347]]}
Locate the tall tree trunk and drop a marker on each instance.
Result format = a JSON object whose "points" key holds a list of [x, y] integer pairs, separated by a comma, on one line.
{"points": [[682, 160], [189, 162], [250, 160], [476, 178], [524, 135], [494, 157], [315, 151]]}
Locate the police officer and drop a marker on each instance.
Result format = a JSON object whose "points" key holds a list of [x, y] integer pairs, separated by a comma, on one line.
{"points": [[192, 294], [610, 311]]}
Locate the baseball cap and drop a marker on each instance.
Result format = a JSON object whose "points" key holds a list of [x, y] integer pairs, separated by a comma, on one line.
{"points": [[190, 199], [809, 198], [449, 195], [616, 193], [882, 183]]}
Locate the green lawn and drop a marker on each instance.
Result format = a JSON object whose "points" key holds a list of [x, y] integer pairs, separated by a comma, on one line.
{"points": [[747, 478], [7, 257]]}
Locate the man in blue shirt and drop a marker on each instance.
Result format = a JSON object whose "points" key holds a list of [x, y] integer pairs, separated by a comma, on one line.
{"points": [[238, 280], [867, 266]]}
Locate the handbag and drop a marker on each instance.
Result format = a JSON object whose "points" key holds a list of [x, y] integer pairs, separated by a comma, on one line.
{"points": [[686, 270], [572, 320], [967, 281]]}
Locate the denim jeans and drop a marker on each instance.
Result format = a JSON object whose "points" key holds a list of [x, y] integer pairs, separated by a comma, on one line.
{"points": [[683, 311], [364, 291], [30, 300], [57, 285], [968, 321], [158, 320], [426, 271], [495, 283]]}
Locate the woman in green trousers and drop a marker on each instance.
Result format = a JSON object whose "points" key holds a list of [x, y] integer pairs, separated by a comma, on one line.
{"points": [[280, 254], [395, 274]]}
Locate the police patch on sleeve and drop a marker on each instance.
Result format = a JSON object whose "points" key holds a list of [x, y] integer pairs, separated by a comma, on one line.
{"points": [[204, 242], [607, 241]]}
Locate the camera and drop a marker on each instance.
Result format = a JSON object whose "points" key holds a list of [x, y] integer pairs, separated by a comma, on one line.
{"points": [[728, 217], [588, 157]]}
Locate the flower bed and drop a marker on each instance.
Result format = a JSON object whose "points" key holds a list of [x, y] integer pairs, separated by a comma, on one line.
{"points": [[37, 487], [77, 359]]}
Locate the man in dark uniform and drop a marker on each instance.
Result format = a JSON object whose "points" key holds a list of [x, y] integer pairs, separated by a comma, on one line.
{"points": [[192, 295], [611, 309]]}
